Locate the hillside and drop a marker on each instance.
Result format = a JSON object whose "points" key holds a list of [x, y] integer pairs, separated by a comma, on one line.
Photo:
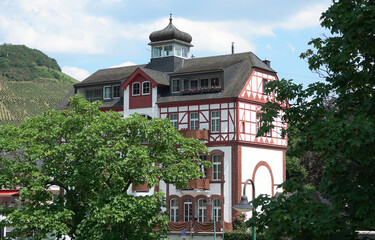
{"points": [[30, 83]]}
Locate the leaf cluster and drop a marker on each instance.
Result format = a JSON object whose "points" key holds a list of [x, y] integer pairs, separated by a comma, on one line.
{"points": [[93, 157], [334, 119]]}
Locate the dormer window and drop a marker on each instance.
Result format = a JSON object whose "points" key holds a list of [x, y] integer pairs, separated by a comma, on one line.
{"points": [[215, 82], [194, 85], [107, 92], [145, 88], [136, 89]]}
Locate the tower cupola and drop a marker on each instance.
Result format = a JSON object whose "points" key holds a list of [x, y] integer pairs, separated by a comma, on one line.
{"points": [[170, 41]]}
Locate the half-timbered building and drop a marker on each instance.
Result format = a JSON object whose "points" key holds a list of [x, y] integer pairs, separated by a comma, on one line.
{"points": [[216, 99]]}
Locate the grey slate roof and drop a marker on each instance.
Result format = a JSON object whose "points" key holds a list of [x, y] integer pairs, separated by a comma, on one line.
{"points": [[236, 70], [121, 74]]}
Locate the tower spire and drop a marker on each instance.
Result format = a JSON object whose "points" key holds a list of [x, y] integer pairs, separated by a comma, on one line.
{"points": [[170, 17]]}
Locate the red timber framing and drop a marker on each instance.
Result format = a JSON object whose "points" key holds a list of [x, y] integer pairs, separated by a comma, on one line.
{"points": [[139, 100], [204, 108]]}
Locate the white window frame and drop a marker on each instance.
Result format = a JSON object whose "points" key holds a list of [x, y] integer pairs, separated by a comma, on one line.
{"points": [[139, 89], [217, 208], [188, 210], [110, 92], [173, 210], [215, 122], [216, 167], [143, 88], [165, 51], [194, 122], [202, 210], [174, 121], [157, 49], [174, 84], [113, 91]]}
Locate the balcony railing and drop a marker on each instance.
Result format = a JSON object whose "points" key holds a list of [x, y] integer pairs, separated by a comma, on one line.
{"points": [[198, 184], [93, 99], [197, 134]]}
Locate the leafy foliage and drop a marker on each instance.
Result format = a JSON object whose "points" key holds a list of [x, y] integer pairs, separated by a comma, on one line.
{"points": [[94, 157], [234, 235], [344, 134]]}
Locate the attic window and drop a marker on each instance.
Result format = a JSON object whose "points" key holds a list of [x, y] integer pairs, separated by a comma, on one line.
{"points": [[145, 88], [107, 92], [136, 89]]}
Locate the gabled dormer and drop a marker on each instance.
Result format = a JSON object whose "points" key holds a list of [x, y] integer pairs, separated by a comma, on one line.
{"points": [[169, 47]]}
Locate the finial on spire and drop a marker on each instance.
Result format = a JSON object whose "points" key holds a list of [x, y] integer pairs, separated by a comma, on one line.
{"points": [[170, 17]]}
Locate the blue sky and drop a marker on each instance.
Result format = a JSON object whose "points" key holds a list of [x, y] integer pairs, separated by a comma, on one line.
{"points": [[87, 35]]}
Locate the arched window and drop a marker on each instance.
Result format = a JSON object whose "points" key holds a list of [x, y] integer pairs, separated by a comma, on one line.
{"points": [[136, 89], [188, 210], [173, 210], [145, 88], [216, 167], [202, 211], [217, 209]]}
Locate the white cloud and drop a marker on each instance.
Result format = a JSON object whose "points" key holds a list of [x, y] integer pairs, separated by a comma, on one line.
{"points": [[306, 18], [269, 47], [77, 73], [56, 26], [124, 64]]}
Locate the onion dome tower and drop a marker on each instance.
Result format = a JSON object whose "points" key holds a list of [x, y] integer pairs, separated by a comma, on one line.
{"points": [[170, 42]]}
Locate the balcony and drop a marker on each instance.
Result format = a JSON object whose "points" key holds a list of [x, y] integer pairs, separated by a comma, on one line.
{"points": [[198, 184], [197, 134]]}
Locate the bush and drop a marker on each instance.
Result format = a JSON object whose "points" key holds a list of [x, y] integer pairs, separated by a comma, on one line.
{"points": [[242, 236]]}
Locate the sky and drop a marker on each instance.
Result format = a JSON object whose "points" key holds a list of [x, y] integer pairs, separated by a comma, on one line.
{"points": [[87, 35]]}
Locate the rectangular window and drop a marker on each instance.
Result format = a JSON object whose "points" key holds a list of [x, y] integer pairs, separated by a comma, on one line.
{"points": [[202, 211], [193, 84], [116, 91], [145, 88], [185, 52], [194, 121], [215, 121], [203, 169], [259, 124], [204, 83], [176, 85], [168, 50], [186, 85], [136, 89], [188, 210], [157, 52], [177, 50], [93, 95], [174, 120], [217, 207], [174, 210], [107, 92], [264, 82], [216, 167], [215, 82]]}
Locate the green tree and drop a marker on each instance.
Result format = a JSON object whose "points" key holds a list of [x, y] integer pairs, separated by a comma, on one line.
{"points": [[343, 134], [93, 157]]}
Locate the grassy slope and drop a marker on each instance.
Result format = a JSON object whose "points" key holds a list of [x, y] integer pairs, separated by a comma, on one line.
{"points": [[30, 83]]}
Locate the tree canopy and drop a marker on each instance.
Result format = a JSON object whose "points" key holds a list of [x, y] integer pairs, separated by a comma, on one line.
{"points": [[343, 134], [93, 157]]}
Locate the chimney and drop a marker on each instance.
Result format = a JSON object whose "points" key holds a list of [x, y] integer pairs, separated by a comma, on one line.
{"points": [[267, 62], [232, 47]]}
